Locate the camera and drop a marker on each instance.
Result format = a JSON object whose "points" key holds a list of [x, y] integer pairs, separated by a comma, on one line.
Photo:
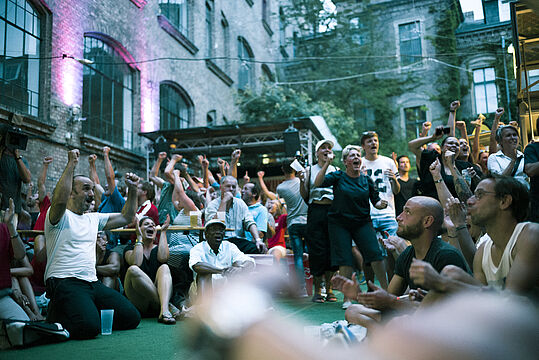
{"points": [[445, 130], [13, 138]]}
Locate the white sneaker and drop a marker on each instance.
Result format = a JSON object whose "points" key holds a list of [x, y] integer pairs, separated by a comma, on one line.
{"points": [[346, 305]]}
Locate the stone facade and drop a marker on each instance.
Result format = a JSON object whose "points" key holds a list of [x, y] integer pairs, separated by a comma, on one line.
{"points": [[156, 52]]}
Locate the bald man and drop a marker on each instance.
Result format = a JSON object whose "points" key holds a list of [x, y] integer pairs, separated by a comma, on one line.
{"points": [[420, 222]]}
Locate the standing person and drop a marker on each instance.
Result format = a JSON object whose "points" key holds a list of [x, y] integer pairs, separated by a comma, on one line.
{"points": [[296, 220], [71, 281], [319, 200], [349, 215], [531, 167], [407, 184], [250, 194], [382, 171], [509, 160]]}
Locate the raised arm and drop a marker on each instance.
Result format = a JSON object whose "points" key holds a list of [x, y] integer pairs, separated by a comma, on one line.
{"points": [[135, 256], [19, 252], [303, 191], [41, 189], [322, 173], [475, 146], [235, 158], [170, 167], [93, 176], [179, 198], [129, 210], [461, 125], [441, 188], [205, 166], [452, 116], [24, 173], [265, 190], [457, 214], [154, 172], [62, 191], [162, 247], [493, 144], [461, 186], [415, 145], [185, 174], [109, 171]]}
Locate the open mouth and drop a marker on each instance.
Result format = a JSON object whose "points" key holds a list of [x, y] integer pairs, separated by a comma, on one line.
{"points": [[150, 232], [356, 163]]}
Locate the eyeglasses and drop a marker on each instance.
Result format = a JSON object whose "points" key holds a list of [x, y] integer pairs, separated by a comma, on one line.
{"points": [[369, 133], [480, 193]]}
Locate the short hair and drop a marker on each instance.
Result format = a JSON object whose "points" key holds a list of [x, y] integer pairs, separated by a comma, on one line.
{"points": [[367, 135], [500, 130], [347, 150], [227, 178], [402, 156], [75, 177], [150, 191], [144, 218], [285, 166], [255, 190], [508, 185]]}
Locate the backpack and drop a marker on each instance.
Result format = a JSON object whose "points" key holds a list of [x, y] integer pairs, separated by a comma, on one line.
{"points": [[20, 333]]}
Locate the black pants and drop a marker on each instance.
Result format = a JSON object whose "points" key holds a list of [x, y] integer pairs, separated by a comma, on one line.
{"points": [[318, 243], [76, 304], [245, 246]]}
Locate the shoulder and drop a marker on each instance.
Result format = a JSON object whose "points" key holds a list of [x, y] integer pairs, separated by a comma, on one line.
{"points": [[529, 233]]}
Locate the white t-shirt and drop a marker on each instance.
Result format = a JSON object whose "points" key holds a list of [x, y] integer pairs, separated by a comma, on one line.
{"points": [[375, 169], [228, 254], [71, 245], [319, 193], [498, 162]]}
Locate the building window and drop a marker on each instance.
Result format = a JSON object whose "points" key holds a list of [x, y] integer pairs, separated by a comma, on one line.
{"points": [[107, 86], [533, 76], [177, 13], [410, 43], [246, 65], [225, 61], [19, 56], [175, 107], [282, 28], [414, 118], [209, 29], [267, 74], [265, 11], [210, 117], [486, 95]]}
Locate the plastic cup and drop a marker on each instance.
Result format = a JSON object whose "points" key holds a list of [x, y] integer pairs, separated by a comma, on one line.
{"points": [[194, 218], [106, 321]]}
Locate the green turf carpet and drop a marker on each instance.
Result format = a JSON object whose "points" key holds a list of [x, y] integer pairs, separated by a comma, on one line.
{"points": [[152, 340]]}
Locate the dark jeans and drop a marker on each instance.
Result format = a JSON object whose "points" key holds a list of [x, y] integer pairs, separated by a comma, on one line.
{"points": [[245, 246], [318, 239], [76, 304], [297, 234]]}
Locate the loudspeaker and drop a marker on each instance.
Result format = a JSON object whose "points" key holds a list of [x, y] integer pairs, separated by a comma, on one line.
{"points": [[291, 142]]}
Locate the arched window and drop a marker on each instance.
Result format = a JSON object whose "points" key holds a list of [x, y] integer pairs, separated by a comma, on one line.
{"points": [[210, 117], [175, 106], [246, 66], [107, 94], [19, 56], [267, 74]]}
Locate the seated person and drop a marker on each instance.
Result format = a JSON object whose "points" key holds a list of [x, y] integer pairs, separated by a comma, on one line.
{"points": [[237, 217], [148, 283], [214, 259], [420, 223], [21, 270], [276, 243], [70, 277], [508, 258], [107, 263], [11, 247]]}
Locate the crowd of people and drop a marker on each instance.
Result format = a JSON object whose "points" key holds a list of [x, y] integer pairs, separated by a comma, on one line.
{"points": [[468, 223]]}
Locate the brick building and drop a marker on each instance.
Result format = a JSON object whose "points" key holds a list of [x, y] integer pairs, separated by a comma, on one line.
{"points": [[84, 74]]}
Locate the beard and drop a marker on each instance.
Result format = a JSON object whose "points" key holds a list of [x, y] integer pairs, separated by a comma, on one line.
{"points": [[411, 231]]}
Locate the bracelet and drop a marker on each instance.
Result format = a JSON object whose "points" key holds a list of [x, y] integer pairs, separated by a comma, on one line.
{"points": [[461, 227], [14, 236], [19, 157], [438, 181]]}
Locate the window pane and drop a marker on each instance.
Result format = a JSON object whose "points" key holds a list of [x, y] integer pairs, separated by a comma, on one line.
{"points": [[33, 75], [20, 17], [14, 39], [31, 46], [478, 76], [2, 38], [480, 103], [2, 8], [492, 97], [489, 74], [11, 11], [174, 108]]}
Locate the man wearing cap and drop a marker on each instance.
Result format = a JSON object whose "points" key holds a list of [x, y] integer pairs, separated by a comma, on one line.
{"points": [[319, 200], [215, 259]]}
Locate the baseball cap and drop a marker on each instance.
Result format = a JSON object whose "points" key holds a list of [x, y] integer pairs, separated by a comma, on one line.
{"points": [[322, 142], [214, 221]]}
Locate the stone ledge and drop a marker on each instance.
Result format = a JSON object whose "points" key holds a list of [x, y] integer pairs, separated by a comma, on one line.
{"points": [[176, 34], [214, 68]]}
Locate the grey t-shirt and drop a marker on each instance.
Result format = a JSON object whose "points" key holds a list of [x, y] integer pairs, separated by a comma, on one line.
{"points": [[296, 207]]}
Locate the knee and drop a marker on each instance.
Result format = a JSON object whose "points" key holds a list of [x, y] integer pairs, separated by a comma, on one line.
{"points": [[84, 328], [452, 271], [163, 271], [134, 271]]}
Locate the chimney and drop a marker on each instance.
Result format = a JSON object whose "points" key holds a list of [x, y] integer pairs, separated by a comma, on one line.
{"points": [[491, 12]]}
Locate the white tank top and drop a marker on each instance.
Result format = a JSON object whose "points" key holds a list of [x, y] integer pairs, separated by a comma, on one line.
{"points": [[496, 275]]}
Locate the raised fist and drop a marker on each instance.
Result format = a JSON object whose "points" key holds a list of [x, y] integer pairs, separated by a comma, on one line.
{"points": [[499, 112], [162, 155], [47, 160], [106, 150], [131, 180], [92, 158], [454, 105], [236, 154], [73, 156]]}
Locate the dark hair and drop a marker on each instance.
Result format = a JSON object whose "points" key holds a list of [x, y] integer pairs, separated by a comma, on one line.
{"points": [[287, 169], [367, 135], [445, 140], [144, 218], [402, 156], [508, 185], [193, 195], [150, 191], [255, 190]]}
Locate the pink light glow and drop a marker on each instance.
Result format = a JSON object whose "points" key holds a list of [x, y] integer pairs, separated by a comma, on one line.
{"points": [[147, 104]]}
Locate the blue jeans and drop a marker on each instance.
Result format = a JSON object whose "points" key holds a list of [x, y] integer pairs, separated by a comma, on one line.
{"points": [[385, 224], [296, 232]]}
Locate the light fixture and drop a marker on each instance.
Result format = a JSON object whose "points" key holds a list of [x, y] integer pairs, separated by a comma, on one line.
{"points": [[266, 160]]}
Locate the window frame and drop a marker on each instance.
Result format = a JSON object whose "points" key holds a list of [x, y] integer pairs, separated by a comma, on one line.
{"points": [[399, 54], [484, 85], [181, 93], [250, 83]]}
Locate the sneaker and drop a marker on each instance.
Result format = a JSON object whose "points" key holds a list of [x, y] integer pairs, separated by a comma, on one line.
{"points": [[346, 305]]}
